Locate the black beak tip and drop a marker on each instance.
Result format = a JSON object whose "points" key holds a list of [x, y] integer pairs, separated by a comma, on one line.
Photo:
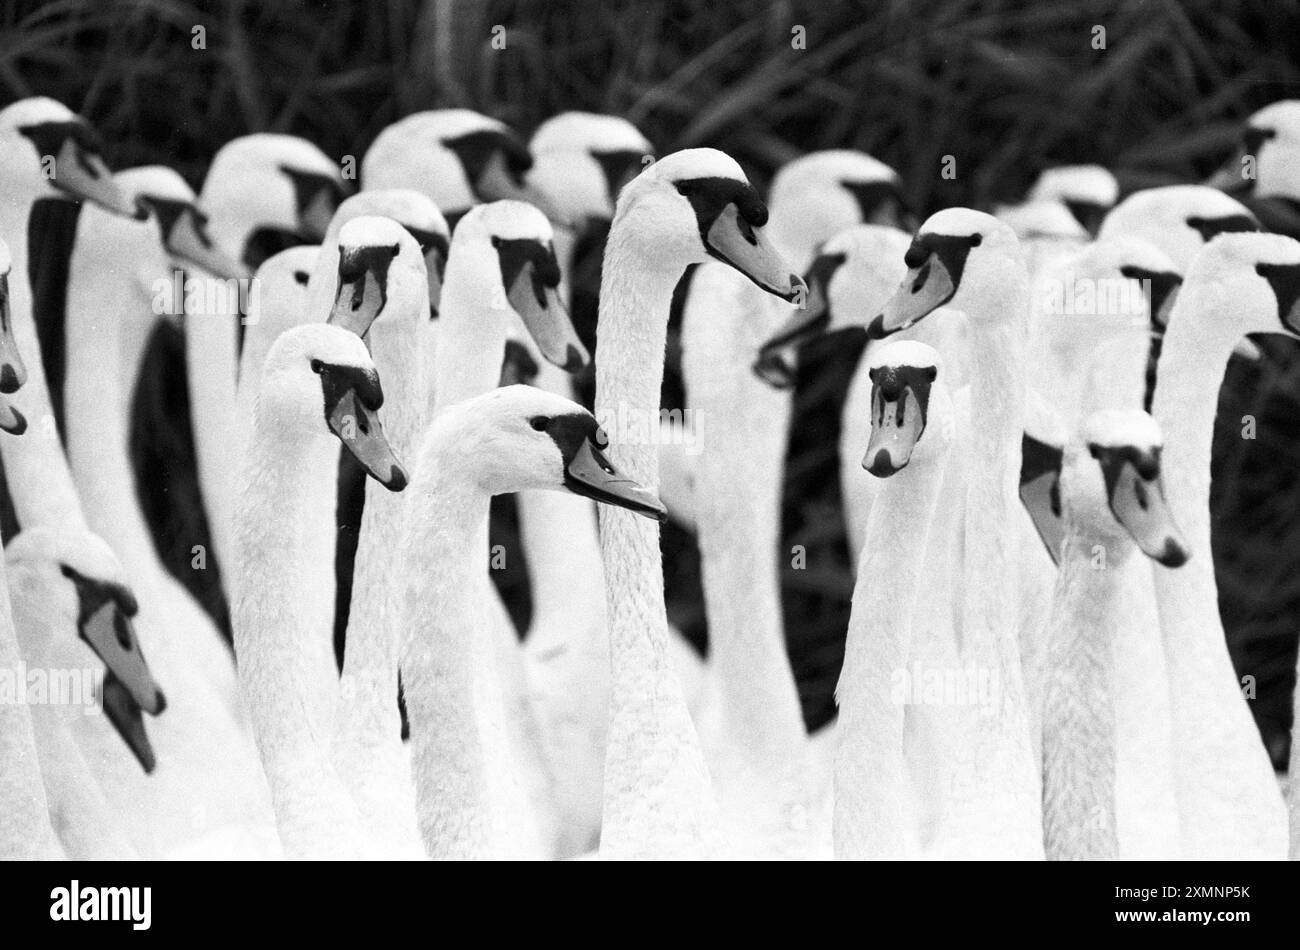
{"points": [[160, 702], [397, 479], [882, 466], [10, 379], [1174, 554], [574, 359], [20, 422]]}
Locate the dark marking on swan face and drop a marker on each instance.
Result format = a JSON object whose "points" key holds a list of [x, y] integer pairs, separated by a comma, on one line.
{"points": [[1040, 490], [434, 247], [588, 472], [316, 198], [935, 264], [1227, 224], [1284, 279], [879, 201], [1136, 496], [476, 150], [530, 275], [620, 166], [353, 398], [777, 357], [49, 138], [1161, 289], [337, 380], [362, 286], [13, 372], [709, 197], [1088, 213], [103, 621], [517, 365], [1253, 139]]}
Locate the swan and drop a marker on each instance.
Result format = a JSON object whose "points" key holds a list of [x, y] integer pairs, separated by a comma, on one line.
{"points": [[1113, 501], [257, 185], [682, 209], [581, 160], [1229, 805], [382, 257], [970, 261], [458, 157], [1270, 184], [501, 274], [752, 724], [911, 432], [1178, 219], [508, 439], [308, 367], [1088, 191]]}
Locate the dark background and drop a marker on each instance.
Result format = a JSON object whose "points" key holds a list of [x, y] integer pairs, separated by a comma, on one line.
{"points": [[1007, 87]]}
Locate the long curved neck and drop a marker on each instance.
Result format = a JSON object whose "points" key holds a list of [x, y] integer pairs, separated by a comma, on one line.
{"points": [[658, 796], [25, 832], [442, 666], [369, 684], [1225, 784], [871, 786], [106, 329], [471, 337], [36, 470], [282, 658], [738, 477], [1079, 710]]}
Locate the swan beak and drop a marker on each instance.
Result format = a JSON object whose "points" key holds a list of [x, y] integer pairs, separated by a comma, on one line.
{"points": [[898, 421], [518, 365], [123, 713], [188, 241], [315, 215], [590, 474], [82, 173], [748, 249], [1137, 499], [13, 373], [1229, 177], [363, 287], [359, 429], [1040, 491], [11, 420], [1284, 281], [777, 359], [435, 265], [543, 313], [924, 289]]}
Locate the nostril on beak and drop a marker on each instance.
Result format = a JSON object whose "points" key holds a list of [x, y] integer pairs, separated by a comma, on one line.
{"points": [[10, 379], [396, 479], [573, 360], [1174, 554]]}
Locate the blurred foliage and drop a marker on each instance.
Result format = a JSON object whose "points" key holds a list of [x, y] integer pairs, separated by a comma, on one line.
{"points": [[1007, 87]]}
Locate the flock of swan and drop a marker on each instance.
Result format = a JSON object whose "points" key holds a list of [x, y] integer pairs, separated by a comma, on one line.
{"points": [[1035, 665]]}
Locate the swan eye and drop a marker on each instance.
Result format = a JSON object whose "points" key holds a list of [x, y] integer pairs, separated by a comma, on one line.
{"points": [[539, 423], [301, 276], [397, 249], [317, 366]]}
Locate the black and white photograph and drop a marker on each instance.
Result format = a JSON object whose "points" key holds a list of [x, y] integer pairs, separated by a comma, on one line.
{"points": [[509, 430]]}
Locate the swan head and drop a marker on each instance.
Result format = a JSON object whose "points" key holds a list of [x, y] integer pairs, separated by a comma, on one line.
{"points": [[50, 151], [411, 209], [582, 160], [1178, 219], [1043, 221], [271, 191], [506, 252], [903, 400], [13, 373], [1244, 283], [1271, 139], [64, 581], [852, 276], [1111, 483], [696, 204], [319, 379], [162, 195], [458, 157], [378, 259], [956, 254], [1087, 191], [817, 195], [1100, 270], [518, 438]]}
